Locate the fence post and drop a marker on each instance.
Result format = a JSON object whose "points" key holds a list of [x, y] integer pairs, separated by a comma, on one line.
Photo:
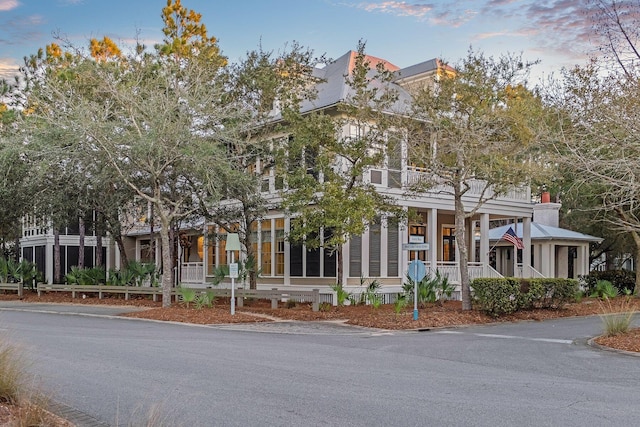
{"points": [[274, 301], [316, 300], [239, 294], [20, 289]]}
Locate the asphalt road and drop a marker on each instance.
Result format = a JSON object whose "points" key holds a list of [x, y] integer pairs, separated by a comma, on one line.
{"points": [[525, 374]]}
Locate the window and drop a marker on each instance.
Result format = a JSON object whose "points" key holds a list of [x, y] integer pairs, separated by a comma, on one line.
{"points": [[147, 251], [279, 241], [329, 257], [417, 234], [392, 248], [374, 250], [313, 260], [394, 155], [376, 176], [448, 244], [265, 247], [211, 249], [355, 257], [295, 264]]}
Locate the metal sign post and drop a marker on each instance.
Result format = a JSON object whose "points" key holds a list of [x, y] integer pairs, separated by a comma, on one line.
{"points": [[416, 271], [233, 244]]}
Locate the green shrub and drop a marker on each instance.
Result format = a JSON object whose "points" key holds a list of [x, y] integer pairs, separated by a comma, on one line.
{"points": [[400, 303], [431, 288], [496, 296], [341, 294], [203, 299], [554, 293], [508, 294], [188, 295], [621, 279], [604, 289]]}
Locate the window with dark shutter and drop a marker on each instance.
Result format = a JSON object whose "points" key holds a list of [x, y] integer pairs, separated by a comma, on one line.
{"points": [[392, 249], [374, 250], [355, 257]]}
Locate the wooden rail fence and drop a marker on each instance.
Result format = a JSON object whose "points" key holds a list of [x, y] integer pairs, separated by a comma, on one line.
{"points": [[274, 294]]}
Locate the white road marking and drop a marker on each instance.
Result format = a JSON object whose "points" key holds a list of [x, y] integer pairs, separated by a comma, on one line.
{"points": [[550, 340]]}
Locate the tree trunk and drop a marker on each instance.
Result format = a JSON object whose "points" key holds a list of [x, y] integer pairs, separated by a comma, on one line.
{"points": [[56, 256], [81, 237], [461, 245], [98, 231], [636, 240], [123, 253], [251, 261], [167, 261], [339, 266], [173, 256]]}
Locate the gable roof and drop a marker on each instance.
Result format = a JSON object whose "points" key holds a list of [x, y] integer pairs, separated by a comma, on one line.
{"points": [[543, 232]]}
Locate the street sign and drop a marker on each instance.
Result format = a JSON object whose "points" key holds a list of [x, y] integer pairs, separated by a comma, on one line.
{"points": [[415, 246], [416, 271], [233, 270], [416, 239]]}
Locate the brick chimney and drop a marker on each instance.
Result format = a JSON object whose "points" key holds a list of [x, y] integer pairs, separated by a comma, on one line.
{"points": [[545, 212]]}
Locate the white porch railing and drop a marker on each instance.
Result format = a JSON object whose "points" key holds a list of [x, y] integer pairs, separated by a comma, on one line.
{"points": [[451, 270], [192, 272], [532, 272], [417, 175]]}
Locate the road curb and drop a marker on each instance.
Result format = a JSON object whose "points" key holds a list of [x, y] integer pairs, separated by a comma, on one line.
{"points": [[592, 343]]}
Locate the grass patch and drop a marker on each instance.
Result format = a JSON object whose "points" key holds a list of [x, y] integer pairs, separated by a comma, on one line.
{"points": [[12, 373], [616, 321]]}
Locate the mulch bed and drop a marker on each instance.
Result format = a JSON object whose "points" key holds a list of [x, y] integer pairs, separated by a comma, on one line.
{"points": [[448, 314]]}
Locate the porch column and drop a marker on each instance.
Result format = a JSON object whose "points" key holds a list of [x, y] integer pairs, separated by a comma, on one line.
{"points": [[48, 260], [432, 225], [470, 240], [484, 238], [547, 260], [563, 261], [384, 245], [346, 257], [583, 260], [287, 253], [516, 271], [404, 255], [526, 252]]}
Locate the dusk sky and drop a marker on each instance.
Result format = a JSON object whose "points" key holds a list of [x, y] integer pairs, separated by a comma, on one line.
{"points": [[403, 32]]}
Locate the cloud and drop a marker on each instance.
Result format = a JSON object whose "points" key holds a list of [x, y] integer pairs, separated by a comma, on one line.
{"points": [[8, 68], [399, 8], [21, 28], [8, 4]]}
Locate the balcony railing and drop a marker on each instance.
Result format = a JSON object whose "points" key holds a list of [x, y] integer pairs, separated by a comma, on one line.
{"points": [[416, 175]]}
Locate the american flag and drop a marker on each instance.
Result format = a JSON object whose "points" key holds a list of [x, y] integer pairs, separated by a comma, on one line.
{"points": [[510, 236]]}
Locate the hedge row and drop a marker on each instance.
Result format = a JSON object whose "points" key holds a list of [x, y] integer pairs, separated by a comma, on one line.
{"points": [[506, 295]]}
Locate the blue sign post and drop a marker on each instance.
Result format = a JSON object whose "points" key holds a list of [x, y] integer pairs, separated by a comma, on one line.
{"points": [[416, 272]]}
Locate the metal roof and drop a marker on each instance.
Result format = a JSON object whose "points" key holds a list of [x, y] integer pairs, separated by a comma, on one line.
{"points": [[543, 232], [334, 88]]}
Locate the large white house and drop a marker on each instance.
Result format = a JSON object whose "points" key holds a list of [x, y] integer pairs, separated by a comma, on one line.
{"points": [[378, 253]]}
